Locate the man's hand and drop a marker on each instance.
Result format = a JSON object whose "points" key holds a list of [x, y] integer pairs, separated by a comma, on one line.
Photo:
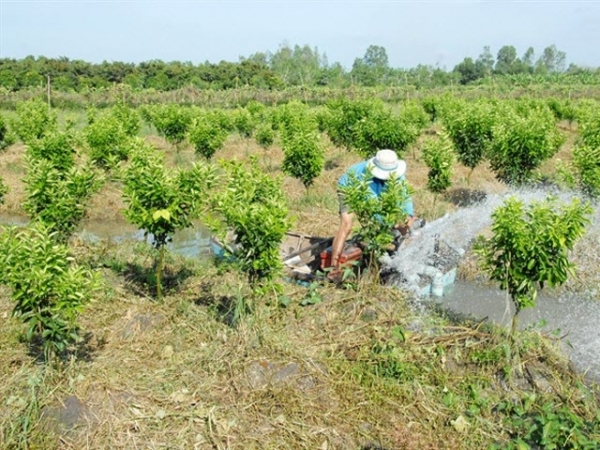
{"points": [[335, 275], [404, 227]]}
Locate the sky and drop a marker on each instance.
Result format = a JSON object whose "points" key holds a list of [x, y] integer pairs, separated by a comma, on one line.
{"points": [[437, 33]]}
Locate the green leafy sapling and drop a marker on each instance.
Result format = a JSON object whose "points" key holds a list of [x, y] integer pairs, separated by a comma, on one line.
{"points": [[48, 289], [529, 247], [304, 155], [58, 148], [3, 190], [161, 201], [522, 142], [107, 136], [377, 215], [33, 120], [438, 155], [57, 198], [253, 207], [6, 136], [469, 126], [171, 121], [206, 135]]}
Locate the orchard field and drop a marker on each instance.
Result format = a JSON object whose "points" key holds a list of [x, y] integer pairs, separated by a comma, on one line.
{"points": [[128, 345]]}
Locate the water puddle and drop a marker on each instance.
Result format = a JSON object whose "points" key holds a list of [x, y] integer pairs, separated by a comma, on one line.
{"points": [[568, 316], [191, 242]]}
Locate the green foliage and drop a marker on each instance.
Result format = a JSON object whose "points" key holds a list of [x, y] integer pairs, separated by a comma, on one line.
{"points": [[586, 162], [253, 207], [256, 109], [171, 121], [107, 141], [431, 105], [522, 142], [377, 215], [58, 148], [34, 119], [529, 247], [6, 137], [469, 125], [48, 289], [161, 201], [57, 197], [304, 155], [534, 422], [3, 190], [367, 126], [589, 127], [243, 122], [107, 135], [264, 134], [438, 154], [563, 109], [128, 117], [206, 135]]}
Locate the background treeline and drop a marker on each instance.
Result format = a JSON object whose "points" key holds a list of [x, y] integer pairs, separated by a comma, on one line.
{"points": [[297, 66]]}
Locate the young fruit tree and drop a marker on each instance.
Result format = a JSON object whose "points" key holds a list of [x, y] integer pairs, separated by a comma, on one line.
{"points": [[161, 201], [34, 119], [48, 289], [522, 142], [6, 137], [206, 134], [529, 247], [56, 197], [58, 148], [252, 206], [304, 155], [107, 135], [377, 215], [469, 125], [438, 155], [171, 121], [3, 190]]}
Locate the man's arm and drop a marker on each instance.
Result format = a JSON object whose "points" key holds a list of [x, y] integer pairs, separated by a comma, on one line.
{"points": [[338, 242]]}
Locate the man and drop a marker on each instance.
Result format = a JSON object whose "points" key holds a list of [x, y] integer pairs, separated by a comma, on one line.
{"points": [[382, 166]]}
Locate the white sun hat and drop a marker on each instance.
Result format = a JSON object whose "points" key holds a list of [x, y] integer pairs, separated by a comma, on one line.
{"points": [[386, 162]]}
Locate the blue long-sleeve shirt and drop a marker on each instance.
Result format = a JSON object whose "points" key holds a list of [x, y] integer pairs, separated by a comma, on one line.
{"points": [[376, 186]]}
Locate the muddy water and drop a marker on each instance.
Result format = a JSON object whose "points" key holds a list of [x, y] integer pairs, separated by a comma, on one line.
{"points": [[576, 314], [569, 316], [191, 242]]}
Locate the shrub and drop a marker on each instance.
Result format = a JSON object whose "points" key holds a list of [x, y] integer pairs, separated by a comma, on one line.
{"points": [[253, 207], [367, 126], [586, 162], [34, 119], [106, 138], [206, 135], [522, 142], [377, 215], [470, 128], [304, 156], [128, 118], [58, 148], [57, 198], [243, 122], [48, 289], [6, 137], [160, 201], [529, 247], [264, 134], [438, 155], [171, 121]]}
